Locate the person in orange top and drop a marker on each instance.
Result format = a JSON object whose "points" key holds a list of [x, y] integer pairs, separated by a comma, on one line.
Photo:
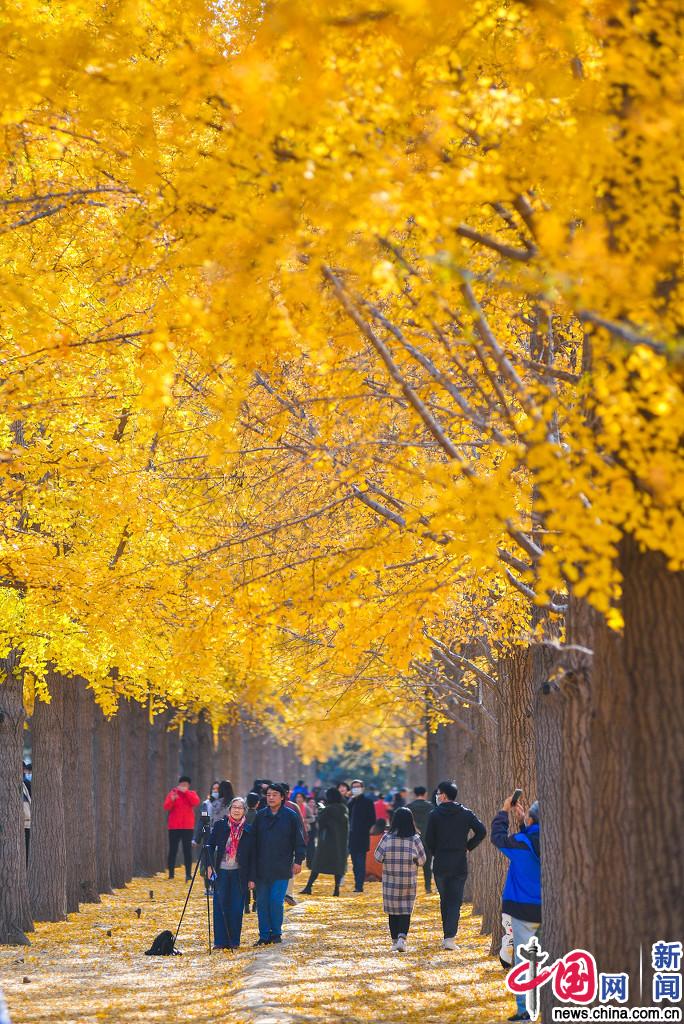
{"points": [[374, 867], [181, 803]]}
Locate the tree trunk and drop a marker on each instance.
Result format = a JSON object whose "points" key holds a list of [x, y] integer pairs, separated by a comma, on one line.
{"points": [[47, 870], [563, 718], [188, 751], [128, 767], [102, 766], [15, 911], [653, 651], [71, 741], [155, 791], [88, 821], [139, 823], [117, 867], [205, 756]]}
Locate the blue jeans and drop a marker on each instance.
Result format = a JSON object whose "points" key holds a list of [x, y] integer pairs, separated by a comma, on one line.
{"points": [[522, 933], [358, 859], [270, 907], [229, 903]]}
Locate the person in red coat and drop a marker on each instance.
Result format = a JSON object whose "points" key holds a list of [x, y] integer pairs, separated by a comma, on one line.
{"points": [[181, 803]]}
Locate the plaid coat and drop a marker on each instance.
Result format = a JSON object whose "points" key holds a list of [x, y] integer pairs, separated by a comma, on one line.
{"points": [[398, 857]]}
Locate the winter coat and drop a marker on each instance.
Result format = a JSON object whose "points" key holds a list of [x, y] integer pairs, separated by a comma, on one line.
{"points": [[381, 809], [522, 892], [182, 809], [217, 842], [421, 810], [446, 837], [333, 836], [398, 858], [278, 843], [361, 821]]}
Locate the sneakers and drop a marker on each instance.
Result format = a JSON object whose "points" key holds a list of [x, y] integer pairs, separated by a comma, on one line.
{"points": [[449, 944], [290, 900], [401, 944], [520, 1016], [395, 947]]}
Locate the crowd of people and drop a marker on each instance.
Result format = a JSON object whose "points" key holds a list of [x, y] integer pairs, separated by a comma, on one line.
{"points": [[252, 847]]}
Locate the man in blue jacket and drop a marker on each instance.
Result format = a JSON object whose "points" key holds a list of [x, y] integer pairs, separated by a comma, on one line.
{"points": [[278, 849], [522, 891]]}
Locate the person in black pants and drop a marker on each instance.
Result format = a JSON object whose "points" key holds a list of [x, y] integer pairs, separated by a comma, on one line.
{"points": [[448, 840], [361, 821], [181, 803], [421, 808]]}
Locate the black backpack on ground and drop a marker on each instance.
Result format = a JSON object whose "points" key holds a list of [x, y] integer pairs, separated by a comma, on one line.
{"points": [[163, 945]]}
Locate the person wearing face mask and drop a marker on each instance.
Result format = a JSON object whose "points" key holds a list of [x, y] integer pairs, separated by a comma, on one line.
{"points": [[448, 840], [224, 797], [361, 821], [229, 847]]}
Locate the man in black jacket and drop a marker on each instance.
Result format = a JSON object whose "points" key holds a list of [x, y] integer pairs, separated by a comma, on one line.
{"points": [[278, 849], [446, 840], [421, 809], [361, 821]]}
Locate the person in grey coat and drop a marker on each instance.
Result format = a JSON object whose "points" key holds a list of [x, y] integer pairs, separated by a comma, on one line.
{"points": [[330, 857]]}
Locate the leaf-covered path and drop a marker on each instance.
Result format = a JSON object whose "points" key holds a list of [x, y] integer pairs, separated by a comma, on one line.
{"points": [[335, 965]]}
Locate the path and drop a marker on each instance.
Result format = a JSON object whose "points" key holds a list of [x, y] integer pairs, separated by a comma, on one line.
{"points": [[334, 966]]}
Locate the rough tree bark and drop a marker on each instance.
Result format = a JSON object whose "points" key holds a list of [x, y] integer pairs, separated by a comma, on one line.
{"points": [[188, 751], [102, 766], [15, 911], [564, 785], [139, 823], [155, 833], [47, 869], [127, 769], [117, 868], [70, 787], [205, 756], [653, 652]]}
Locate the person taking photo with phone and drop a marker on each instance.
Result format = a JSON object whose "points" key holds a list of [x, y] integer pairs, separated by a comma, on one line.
{"points": [[522, 896]]}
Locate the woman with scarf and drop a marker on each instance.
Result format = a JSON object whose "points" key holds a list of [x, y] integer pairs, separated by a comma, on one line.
{"points": [[229, 846]]}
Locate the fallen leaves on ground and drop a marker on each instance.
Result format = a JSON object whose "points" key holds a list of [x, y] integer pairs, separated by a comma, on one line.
{"points": [[335, 965]]}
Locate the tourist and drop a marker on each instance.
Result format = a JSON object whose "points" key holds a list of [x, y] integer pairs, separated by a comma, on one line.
{"points": [[448, 841], [400, 851], [333, 837], [180, 803], [229, 848], [277, 853], [420, 808], [522, 890], [361, 820]]}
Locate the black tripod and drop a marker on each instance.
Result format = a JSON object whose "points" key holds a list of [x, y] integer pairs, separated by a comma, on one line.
{"points": [[205, 858]]}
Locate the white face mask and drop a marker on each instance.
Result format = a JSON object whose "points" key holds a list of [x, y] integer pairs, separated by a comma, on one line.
{"points": [[214, 795], [357, 790]]}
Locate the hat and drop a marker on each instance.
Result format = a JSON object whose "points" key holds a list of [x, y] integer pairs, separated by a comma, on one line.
{"points": [[534, 811]]}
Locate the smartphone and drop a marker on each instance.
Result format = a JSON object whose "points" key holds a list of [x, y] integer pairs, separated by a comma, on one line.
{"points": [[517, 793]]}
